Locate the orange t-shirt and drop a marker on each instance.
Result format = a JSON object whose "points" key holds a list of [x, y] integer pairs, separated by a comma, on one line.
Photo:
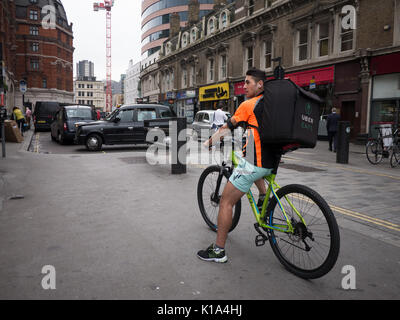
{"points": [[257, 153]]}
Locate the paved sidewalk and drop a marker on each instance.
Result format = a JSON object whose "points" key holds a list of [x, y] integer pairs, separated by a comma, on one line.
{"points": [[13, 151], [114, 227]]}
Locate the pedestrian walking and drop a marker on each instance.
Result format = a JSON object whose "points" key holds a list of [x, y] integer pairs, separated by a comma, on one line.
{"points": [[19, 118], [332, 128], [28, 115]]}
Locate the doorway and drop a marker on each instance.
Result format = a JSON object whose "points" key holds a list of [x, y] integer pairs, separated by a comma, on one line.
{"points": [[348, 113]]}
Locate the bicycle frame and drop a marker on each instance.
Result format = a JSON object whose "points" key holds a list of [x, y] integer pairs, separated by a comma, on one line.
{"points": [[260, 216]]}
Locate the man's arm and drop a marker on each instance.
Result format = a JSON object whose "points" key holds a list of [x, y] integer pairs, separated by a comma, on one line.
{"points": [[223, 131]]}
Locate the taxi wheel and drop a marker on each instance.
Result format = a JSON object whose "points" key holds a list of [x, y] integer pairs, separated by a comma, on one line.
{"points": [[94, 142]]}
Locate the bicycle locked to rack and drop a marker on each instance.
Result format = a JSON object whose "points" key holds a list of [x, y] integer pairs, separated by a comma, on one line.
{"points": [[386, 145], [296, 221]]}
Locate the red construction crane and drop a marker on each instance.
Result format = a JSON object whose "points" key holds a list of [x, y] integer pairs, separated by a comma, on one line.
{"points": [[107, 5]]}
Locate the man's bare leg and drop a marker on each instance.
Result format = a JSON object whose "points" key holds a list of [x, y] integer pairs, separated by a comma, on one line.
{"points": [[229, 198], [261, 186]]}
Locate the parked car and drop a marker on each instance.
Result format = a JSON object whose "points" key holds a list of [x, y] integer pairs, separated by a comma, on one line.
{"points": [[126, 125], [63, 127], [44, 113], [203, 121]]}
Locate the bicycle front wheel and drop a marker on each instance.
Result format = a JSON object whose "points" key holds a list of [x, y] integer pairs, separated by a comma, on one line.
{"points": [[374, 151], [395, 158], [312, 249], [208, 199]]}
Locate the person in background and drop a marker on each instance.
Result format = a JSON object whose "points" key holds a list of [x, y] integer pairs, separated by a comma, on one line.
{"points": [[19, 117], [219, 117], [332, 128], [28, 115]]}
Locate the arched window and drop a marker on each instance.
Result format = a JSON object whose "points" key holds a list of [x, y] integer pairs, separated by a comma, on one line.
{"points": [[193, 34], [224, 19], [212, 25], [185, 39]]}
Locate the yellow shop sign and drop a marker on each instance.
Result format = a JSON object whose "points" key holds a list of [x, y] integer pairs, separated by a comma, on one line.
{"points": [[215, 92]]}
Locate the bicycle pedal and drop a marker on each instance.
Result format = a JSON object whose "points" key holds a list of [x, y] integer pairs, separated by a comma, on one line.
{"points": [[260, 240]]}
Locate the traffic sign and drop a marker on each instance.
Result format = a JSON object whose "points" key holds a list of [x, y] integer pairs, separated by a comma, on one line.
{"points": [[23, 86]]}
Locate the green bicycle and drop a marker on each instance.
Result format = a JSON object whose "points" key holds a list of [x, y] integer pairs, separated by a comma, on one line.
{"points": [[296, 220]]}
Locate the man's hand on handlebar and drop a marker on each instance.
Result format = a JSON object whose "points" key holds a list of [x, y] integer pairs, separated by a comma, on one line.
{"points": [[223, 131]]}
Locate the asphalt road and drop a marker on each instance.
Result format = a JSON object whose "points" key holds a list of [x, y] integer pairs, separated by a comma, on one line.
{"points": [[115, 227]]}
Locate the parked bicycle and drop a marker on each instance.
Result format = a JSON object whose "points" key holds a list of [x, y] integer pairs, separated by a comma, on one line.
{"points": [[395, 157], [380, 147], [296, 220]]}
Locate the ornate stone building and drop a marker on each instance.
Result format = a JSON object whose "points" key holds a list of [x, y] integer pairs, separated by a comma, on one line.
{"points": [[346, 51]]}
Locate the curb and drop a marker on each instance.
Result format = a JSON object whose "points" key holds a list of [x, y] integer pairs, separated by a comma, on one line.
{"points": [[27, 141]]}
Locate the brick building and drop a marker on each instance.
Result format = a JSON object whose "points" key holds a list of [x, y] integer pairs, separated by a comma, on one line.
{"points": [[44, 54], [356, 70], [7, 53]]}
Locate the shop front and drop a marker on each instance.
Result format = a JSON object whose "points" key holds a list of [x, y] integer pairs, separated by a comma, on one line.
{"points": [[385, 100], [167, 99], [319, 81], [186, 104], [211, 96], [240, 94]]}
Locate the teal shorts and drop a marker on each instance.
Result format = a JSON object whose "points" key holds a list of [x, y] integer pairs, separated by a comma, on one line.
{"points": [[245, 174]]}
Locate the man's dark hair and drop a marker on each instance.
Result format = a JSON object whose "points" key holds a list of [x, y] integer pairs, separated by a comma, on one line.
{"points": [[257, 74]]}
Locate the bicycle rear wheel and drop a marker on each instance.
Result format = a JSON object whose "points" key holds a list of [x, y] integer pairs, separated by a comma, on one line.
{"points": [[209, 202], [395, 158], [312, 249], [374, 151]]}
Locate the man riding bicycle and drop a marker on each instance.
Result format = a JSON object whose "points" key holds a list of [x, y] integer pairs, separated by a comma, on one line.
{"points": [[251, 169]]}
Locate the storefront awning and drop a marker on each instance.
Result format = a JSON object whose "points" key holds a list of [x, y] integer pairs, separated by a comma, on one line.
{"points": [[318, 76]]}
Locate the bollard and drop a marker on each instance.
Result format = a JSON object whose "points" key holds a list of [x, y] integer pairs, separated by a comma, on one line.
{"points": [[343, 141], [178, 147]]}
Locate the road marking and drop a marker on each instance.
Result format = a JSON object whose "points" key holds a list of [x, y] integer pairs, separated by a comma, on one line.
{"points": [[37, 143], [357, 215]]}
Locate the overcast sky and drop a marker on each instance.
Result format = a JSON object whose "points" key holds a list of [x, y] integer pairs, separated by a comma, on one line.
{"points": [[89, 29]]}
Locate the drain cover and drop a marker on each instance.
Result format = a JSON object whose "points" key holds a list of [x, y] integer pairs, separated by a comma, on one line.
{"points": [[134, 160]]}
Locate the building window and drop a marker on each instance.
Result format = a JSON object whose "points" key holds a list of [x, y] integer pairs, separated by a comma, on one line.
{"points": [[44, 83], [210, 70], [267, 53], [193, 35], [346, 40], [184, 78], [34, 64], [302, 44], [251, 7], [323, 39], [34, 31], [223, 19], [33, 15], [35, 46], [185, 39], [249, 58], [211, 25], [192, 76], [223, 67]]}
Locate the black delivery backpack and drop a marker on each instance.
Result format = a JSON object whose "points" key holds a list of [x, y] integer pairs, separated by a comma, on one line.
{"points": [[290, 115]]}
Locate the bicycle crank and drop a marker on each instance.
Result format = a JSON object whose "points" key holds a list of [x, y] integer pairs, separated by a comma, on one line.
{"points": [[261, 238]]}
